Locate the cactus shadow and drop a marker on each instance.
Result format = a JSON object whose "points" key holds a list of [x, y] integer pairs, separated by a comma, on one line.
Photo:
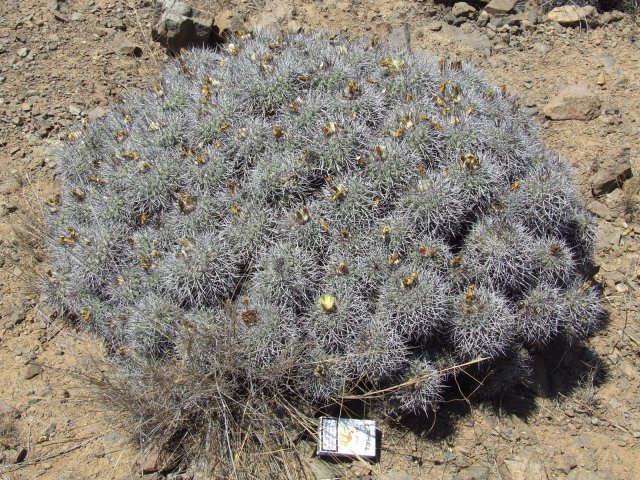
{"points": [[574, 370], [565, 373], [436, 425], [562, 372]]}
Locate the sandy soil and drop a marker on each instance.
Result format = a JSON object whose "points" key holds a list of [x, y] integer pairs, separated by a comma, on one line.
{"points": [[51, 426]]}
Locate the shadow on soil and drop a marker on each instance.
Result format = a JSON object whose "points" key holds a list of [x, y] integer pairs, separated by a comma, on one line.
{"points": [[561, 371]]}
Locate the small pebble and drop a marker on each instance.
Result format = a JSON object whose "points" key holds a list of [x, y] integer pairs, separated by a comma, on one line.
{"points": [[32, 371]]}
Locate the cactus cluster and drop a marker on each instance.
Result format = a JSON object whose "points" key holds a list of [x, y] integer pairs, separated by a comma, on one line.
{"points": [[368, 218]]}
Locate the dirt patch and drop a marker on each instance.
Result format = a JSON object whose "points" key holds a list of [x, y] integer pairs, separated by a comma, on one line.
{"points": [[56, 73]]}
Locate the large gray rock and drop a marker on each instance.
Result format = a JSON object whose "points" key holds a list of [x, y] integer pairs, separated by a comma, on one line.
{"points": [[177, 25], [500, 7], [574, 102], [612, 172]]}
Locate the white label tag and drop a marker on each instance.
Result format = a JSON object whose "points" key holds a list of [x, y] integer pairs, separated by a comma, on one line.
{"points": [[347, 437]]}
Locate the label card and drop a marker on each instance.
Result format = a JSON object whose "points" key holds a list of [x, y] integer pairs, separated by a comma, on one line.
{"points": [[347, 437]]}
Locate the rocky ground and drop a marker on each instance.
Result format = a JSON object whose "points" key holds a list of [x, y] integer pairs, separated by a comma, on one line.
{"points": [[576, 71]]}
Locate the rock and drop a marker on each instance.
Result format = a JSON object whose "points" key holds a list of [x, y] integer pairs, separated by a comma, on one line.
{"points": [[609, 238], [628, 370], [611, 115], [7, 207], [18, 314], [451, 19], [322, 470], [500, 7], [532, 17], [10, 185], [399, 38], [227, 22], [526, 466], [477, 471], [601, 80], [566, 463], [22, 52], [69, 475], [571, 15], [8, 412], [614, 358], [113, 437], [622, 288], [157, 461], [541, 48], [116, 24], [14, 455], [434, 26], [483, 19], [612, 172], [32, 371], [610, 17], [462, 9], [447, 457], [574, 102], [75, 110], [47, 433], [293, 26], [176, 25], [50, 430], [581, 474], [96, 113], [475, 40], [608, 62], [123, 45], [274, 15], [430, 10], [397, 474], [60, 9], [600, 209]]}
